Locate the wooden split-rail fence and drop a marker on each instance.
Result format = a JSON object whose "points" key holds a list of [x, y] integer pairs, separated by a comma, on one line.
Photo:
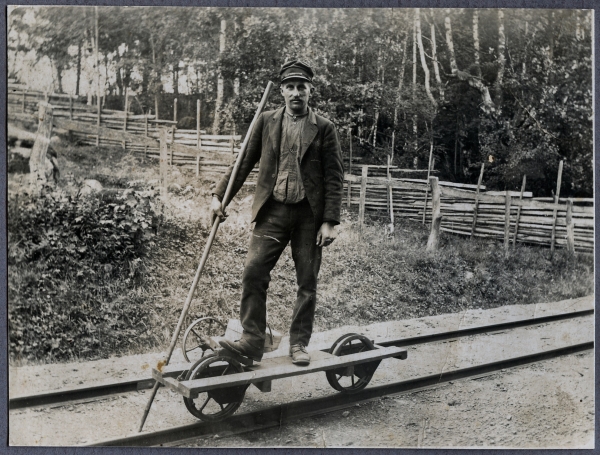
{"points": [[451, 207], [209, 154], [469, 210]]}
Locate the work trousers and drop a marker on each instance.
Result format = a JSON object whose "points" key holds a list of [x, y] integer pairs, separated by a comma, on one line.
{"points": [[278, 224]]}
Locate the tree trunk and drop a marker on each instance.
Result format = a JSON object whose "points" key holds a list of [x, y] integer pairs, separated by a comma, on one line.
{"points": [[422, 55], [97, 61], [414, 83], [488, 104], [176, 78], [450, 44], [401, 79], [220, 81], [476, 41], [155, 77], [374, 131], [436, 66], [236, 81], [119, 82], [59, 77], [78, 79], [524, 65], [501, 58], [145, 79]]}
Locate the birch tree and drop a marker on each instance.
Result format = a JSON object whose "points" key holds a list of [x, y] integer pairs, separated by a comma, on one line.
{"points": [[220, 80], [501, 58], [488, 104], [422, 56], [436, 66]]}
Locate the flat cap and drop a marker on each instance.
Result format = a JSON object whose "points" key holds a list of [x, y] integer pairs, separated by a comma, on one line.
{"points": [[295, 69]]}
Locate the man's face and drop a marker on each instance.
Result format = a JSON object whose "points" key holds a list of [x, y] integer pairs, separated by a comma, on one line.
{"points": [[296, 93]]}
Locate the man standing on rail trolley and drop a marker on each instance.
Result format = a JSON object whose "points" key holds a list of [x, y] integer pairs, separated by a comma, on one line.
{"points": [[298, 200]]}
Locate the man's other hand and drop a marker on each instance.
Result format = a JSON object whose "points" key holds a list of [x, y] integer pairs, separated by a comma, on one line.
{"points": [[216, 211], [326, 235]]}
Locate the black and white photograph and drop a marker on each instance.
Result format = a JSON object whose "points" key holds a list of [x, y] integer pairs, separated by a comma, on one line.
{"points": [[285, 227]]}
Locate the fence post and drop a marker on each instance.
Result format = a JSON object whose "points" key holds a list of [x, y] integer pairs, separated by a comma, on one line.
{"points": [[555, 210], [570, 227], [175, 110], [70, 107], [146, 135], [99, 110], [198, 124], [436, 217], [125, 117], [163, 161], [363, 195], [37, 159], [475, 209], [390, 196], [519, 211], [23, 101], [172, 142], [507, 202], [428, 175], [349, 197]]}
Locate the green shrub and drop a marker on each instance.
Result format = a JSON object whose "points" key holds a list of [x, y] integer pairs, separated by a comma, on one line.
{"points": [[75, 271]]}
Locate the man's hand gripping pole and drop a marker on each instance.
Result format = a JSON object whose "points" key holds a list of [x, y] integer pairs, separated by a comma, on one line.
{"points": [[209, 242]]}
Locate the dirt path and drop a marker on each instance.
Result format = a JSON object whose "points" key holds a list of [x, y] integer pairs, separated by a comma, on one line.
{"points": [[549, 404]]}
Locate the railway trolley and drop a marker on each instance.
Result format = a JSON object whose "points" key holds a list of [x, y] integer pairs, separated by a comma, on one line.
{"points": [[214, 381]]}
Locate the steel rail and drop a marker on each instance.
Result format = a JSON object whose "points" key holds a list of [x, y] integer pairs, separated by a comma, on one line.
{"points": [[470, 331], [277, 415], [113, 388]]}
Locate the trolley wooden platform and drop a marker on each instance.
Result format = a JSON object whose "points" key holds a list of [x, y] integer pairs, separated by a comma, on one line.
{"points": [[214, 386]]}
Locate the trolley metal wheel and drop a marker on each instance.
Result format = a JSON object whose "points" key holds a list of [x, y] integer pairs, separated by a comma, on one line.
{"points": [[354, 378], [217, 404], [196, 340]]}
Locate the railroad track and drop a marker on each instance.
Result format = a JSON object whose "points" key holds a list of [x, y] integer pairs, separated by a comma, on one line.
{"points": [[118, 387], [284, 413]]}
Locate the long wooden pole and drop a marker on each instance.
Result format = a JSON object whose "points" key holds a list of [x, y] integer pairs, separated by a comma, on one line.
{"points": [[555, 211], [209, 243]]}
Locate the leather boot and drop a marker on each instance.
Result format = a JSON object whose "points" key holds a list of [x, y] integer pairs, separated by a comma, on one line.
{"points": [[243, 348]]}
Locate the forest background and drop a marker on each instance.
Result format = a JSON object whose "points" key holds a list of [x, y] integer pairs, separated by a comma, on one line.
{"points": [[508, 87]]}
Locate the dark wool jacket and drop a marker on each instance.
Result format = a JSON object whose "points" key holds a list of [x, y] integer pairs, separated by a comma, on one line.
{"points": [[320, 165]]}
